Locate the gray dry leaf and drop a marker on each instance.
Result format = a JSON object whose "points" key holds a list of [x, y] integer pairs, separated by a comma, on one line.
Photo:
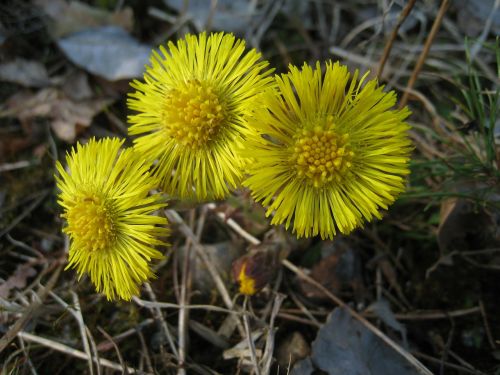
{"points": [[345, 346], [65, 114], [24, 72], [109, 52], [69, 17], [228, 15]]}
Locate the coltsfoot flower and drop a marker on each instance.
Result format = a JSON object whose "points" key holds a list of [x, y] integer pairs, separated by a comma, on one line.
{"points": [[191, 109], [108, 210], [329, 151]]}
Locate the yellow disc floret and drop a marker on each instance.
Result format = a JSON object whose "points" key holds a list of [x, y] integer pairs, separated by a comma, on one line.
{"points": [[193, 113], [321, 156], [91, 222]]}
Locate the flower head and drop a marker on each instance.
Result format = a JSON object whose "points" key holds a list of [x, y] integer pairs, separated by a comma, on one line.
{"points": [[191, 108], [328, 151], [109, 217]]}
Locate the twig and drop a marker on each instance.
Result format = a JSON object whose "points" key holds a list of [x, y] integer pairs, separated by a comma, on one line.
{"points": [[183, 300], [93, 346], [17, 165], [168, 305], [26, 212], [425, 51], [419, 366], [157, 314], [234, 225], [251, 344], [120, 358], [105, 345], [411, 359], [71, 351], [81, 325], [299, 320], [267, 357], [26, 355], [447, 364], [486, 30], [487, 326], [174, 217], [84, 331], [26, 317], [145, 350], [388, 46]]}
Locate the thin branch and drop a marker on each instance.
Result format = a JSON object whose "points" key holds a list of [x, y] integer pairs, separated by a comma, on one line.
{"points": [[174, 217], [251, 344], [157, 314], [425, 51], [410, 358], [26, 317], [388, 46], [71, 351]]}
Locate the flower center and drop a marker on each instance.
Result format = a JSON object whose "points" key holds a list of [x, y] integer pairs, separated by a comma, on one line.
{"points": [[90, 224], [322, 156], [193, 113]]}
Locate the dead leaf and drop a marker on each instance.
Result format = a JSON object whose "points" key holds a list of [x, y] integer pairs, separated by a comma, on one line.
{"points": [[229, 15], [66, 115], [292, 348], [382, 309], [109, 52], [70, 17], [345, 346], [463, 225], [76, 86], [24, 72], [337, 271], [17, 280]]}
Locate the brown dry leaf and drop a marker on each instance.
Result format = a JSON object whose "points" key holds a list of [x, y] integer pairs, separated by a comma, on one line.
{"points": [[66, 115], [69, 17], [338, 270], [17, 280], [463, 225]]}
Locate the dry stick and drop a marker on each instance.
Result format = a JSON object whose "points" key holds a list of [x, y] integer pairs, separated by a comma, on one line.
{"points": [[295, 318], [425, 51], [168, 305], [70, 351], [81, 325], [410, 358], [84, 330], [25, 318], [157, 314], [149, 364], [419, 366], [183, 300], [388, 46], [120, 358], [267, 357], [487, 326], [251, 344], [26, 355], [174, 217], [31, 207], [106, 345], [448, 364], [93, 346], [234, 225]]}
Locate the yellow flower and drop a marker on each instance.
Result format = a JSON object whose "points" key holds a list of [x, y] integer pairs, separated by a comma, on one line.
{"points": [[329, 151], [109, 217], [192, 107]]}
